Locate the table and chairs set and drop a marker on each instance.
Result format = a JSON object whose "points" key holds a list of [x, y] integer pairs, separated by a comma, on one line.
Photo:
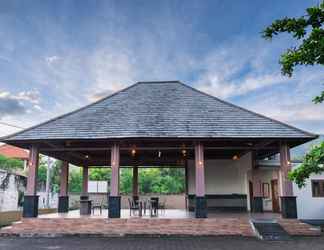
{"points": [[139, 206]]}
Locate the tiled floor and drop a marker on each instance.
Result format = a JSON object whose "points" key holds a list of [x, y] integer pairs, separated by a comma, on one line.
{"points": [[167, 214], [171, 222]]}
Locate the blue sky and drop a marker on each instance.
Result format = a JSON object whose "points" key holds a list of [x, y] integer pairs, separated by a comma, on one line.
{"points": [[56, 56]]}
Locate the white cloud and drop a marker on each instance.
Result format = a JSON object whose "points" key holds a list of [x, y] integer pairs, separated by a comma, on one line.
{"points": [[238, 68], [18, 104], [51, 59], [250, 74], [220, 87], [292, 103], [32, 96]]}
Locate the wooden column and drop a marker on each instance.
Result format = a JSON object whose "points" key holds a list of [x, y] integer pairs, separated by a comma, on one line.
{"points": [[285, 166], [114, 198], [85, 174], [85, 203], [186, 177], [288, 200], [186, 184], [200, 170], [201, 203], [63, 204], [135, 182], [257, 189], [114, 191], [64, 179], [32, 171], [30, 208], [257, 205]]}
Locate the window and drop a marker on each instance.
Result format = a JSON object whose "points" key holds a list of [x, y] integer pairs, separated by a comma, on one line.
{"points": [[318, 188]]}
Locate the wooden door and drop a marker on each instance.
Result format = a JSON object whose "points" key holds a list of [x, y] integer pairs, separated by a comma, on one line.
{"points": [[275, 196]]}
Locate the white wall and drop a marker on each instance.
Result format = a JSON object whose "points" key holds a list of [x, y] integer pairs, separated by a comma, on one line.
{"points": [[222, 176], [97, 186], [308, 207], [53, 200], [9, 195]]}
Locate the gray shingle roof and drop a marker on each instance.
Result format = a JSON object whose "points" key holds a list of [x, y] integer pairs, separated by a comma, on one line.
{"points": [[160, 109]]}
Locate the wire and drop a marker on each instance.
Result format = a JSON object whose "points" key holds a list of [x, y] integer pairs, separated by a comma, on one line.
{"points": [[11, 125]]}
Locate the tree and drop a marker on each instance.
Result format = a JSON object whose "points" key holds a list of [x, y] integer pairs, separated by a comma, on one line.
{"points": [[312, 164], [11, 164], [309, 33], [75, 180], [126, 180], [100, 174]]}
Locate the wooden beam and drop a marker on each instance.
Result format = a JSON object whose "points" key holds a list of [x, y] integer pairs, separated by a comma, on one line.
{"points": [[258, 146], [77, 155], [56, 149]]}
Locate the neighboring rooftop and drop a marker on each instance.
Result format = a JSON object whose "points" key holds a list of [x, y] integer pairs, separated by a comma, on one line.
{"points": [[14, 152], [160, 110]]}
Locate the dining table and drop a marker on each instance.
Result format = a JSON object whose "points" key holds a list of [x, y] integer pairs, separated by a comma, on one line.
{"points": [[144, 204]]}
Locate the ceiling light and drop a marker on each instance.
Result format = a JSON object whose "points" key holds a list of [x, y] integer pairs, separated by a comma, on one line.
{"points": [[235, 157]]}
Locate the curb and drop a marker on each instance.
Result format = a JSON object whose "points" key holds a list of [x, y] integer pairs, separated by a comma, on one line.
{"points": [[103, 235]]}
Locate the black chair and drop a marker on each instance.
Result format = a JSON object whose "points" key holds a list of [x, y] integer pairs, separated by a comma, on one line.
{"points": [[133, 206], [154, 205]]}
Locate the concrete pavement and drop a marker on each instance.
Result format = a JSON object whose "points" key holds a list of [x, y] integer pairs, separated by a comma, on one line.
{"points": [[170, 243]]}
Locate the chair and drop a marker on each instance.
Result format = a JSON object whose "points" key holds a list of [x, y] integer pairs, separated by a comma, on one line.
{"points": [[133, 206], [162, 205], [154, 205], [98, 204]]}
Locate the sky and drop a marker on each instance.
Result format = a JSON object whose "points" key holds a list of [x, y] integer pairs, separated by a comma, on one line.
{"points": [[57, 56]]}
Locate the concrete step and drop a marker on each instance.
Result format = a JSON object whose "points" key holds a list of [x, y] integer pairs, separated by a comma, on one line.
{"points": [[270, 230]]}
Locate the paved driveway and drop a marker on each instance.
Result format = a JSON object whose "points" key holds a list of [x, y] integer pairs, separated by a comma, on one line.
{"points": [[201, 243]]}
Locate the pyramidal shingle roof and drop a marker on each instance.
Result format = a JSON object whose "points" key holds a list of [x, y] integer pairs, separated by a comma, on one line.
{"points": [[160, 109]]}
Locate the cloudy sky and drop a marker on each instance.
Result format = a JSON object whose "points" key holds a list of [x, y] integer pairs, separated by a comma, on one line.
{"points": [[56, 56]]}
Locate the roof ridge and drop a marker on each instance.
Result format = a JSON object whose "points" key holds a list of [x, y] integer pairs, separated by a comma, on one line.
{"points": [[250, 111], [149, 82], [69, 113]]}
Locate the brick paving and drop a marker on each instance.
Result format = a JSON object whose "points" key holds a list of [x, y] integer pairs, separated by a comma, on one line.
{"points": [[174, 222], [136, 226], [298, 228], [225, 225]]}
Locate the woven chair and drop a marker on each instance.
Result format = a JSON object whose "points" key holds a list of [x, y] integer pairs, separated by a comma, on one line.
{"points": [[133, 206]]}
